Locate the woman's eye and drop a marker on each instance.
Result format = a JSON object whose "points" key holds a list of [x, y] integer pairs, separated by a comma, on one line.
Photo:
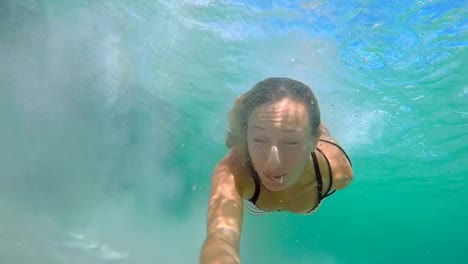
{"points": [[291, 143], [260, 140]]}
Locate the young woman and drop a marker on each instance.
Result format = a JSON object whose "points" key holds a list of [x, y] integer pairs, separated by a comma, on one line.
{"points": [[281, 158]]}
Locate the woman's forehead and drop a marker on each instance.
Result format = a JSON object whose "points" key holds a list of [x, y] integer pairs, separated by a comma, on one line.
{"points": [[286, 114]]}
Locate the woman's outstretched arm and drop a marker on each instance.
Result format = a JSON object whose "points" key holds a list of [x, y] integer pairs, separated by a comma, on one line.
{"points": [[225, 212]]}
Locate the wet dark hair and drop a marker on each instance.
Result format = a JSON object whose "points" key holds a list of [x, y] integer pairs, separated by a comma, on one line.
{"points": [[269, 90]]}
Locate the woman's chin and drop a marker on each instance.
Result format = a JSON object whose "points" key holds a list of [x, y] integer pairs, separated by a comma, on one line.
{"points": [[274, 185], [274, 188]]}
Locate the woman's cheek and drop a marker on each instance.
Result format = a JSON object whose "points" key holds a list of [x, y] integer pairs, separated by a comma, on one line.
{"points": [[292, 157], [257, 154], [289, 158]]}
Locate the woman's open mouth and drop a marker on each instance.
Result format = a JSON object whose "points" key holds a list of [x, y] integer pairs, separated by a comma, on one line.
{"points": [[276, 178]]}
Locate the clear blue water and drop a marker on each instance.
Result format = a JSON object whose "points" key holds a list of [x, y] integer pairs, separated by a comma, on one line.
{"points": [[113, 114]]}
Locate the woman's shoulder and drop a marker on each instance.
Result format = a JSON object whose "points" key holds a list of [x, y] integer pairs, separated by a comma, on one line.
{"points": [[233, 159], [338, 161], [234, 162]]}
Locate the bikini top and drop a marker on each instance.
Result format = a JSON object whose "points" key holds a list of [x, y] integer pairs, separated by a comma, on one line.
{"points": [[250, 204]]}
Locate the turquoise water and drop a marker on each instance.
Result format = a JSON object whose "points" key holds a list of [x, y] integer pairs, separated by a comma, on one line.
{"points": [[113, 114]]}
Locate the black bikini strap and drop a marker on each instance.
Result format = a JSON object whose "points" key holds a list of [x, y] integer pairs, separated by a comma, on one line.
{"points": [[317, 175], [338, 146], [328, 193], [257, 186]]}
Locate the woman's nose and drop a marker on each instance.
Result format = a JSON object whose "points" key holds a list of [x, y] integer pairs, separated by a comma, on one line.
{"points": [[273, 157]]}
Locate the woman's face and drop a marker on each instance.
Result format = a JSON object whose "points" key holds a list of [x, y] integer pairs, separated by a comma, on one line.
{"points": [[279, 142]]}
